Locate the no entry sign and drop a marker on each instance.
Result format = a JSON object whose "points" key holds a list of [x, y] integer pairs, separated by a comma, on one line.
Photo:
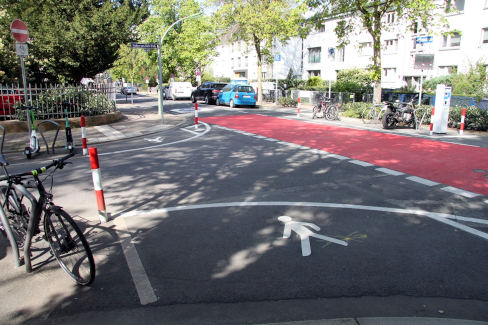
{"points": [[19, 31]]}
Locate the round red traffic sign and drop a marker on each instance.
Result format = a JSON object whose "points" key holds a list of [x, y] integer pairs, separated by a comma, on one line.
{"points": [[19, 31]]}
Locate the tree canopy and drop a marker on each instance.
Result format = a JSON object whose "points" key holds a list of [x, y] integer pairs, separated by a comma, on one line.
{"points": [[260, 23], [356, 16], [72, 39], [188, 46]]}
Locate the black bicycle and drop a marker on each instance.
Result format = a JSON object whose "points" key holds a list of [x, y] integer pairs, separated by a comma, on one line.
{"points": [[21, 224]]}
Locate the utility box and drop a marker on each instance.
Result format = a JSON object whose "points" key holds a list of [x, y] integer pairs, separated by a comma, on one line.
{"points": [[442, 105]]}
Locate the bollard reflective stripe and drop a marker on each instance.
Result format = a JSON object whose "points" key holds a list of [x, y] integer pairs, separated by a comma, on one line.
{"points": [[463, 114], [83, 136], [298, 107], [431, 121], [196, 116]]}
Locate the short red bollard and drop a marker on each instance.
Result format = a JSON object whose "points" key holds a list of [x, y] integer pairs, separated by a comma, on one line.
{"points": [[83, 135], [463, 114], [432, 122], [298, 107], [196, 116], [97, 183]]}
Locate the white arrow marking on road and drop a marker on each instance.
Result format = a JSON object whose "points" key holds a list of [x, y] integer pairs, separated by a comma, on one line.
{"points": [[305, 233], [158, 139]]}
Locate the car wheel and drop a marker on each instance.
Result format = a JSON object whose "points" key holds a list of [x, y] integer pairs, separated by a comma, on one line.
{"points": [[207, 100], [217, 102], [231, 104], [192, 98]]}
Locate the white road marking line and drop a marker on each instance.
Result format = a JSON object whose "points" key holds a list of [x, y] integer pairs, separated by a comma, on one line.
{"points": [[422, 181], [459, 191], [441, 217], [141, 281], [389, 171], [360, 163], [108, 131], [207, 129], [338, 157], [271, 139], [259, 137]]}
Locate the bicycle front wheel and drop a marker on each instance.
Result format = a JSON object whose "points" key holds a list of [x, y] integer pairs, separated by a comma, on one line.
{"points": [[69, 246], [368, 115], [315, 110], [332, 113]]}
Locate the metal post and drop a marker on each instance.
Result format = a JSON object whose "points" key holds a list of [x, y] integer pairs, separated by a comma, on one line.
{"points": [[160, 81], [421, 82], [25, 92]]}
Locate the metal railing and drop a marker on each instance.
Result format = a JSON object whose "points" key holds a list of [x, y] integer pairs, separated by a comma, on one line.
{"points": [[52, 99]]}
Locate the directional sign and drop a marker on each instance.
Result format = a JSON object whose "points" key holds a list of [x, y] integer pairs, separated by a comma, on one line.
{"points": [[19, 31], [277, 57], [149, 46], [424, 39], [158, 139]]}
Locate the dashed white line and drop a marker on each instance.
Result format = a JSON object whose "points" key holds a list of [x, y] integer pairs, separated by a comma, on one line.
{"points": [[360, 163], [338, 157], [459, 191], [422, 181], [389, 171]]}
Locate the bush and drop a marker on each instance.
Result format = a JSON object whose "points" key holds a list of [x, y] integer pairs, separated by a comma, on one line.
{"points": [[354, 109], [287, 102], [314, 81]]}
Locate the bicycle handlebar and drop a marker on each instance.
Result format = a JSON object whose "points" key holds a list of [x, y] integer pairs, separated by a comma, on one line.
{"points": [[35, 172]]}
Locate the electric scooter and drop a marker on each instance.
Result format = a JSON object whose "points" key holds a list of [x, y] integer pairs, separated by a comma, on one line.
{"points": [[34, 145], [70, 143]]}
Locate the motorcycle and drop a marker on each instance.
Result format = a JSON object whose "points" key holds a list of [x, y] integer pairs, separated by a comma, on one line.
{"points": [[404, 114]]}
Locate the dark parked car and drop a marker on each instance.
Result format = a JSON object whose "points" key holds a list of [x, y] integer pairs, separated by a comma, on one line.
{"points": [[208, 91]]}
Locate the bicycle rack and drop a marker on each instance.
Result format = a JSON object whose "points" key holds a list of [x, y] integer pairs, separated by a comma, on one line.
{"points": [[419, 125], [11, 239], [43, 138]]}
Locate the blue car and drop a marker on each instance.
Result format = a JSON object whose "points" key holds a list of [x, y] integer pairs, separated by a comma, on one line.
{"points": [[237, 95]]}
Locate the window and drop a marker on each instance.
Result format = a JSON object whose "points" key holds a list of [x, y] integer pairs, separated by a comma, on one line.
{"points": [[238, 62], [366, 48], [414, 28], [238, 46], [390, 18], [485, 36], [313, 73], [391, 45], [389, 73], [340, 54], [417, 46], [321, 29], [232, 50], [314, 55], [232, 63], [446, 70], [449, 41], [246, 62], [459, 4], [486, 4]]}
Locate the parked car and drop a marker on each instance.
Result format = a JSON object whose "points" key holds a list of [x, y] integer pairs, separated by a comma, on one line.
{"points": [[8, 98], [208, 91], [128, 90], [236, 95], [177, 90]]}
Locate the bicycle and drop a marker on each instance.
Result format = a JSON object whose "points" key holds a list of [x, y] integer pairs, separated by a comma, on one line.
{"points": [[370, 115], [329, 111], [21, 225], [34, 145]]}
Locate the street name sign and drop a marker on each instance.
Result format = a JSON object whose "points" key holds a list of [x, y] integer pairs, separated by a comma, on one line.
{"points": [[424, 39], [147, 46]]}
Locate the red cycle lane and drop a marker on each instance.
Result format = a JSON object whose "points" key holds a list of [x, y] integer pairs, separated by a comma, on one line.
{"points": [[446, 163]]}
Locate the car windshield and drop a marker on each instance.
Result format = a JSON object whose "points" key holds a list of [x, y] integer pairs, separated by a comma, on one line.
{"points": [[227, 88], [245, 89], [219, 86]]}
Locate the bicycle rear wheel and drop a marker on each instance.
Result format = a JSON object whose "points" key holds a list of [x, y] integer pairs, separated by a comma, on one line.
{"points": [[368, 115], [315, 110], [69, 246]]}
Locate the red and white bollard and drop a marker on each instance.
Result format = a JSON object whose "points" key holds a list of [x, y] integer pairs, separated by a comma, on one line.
{"points": [[196, 116], [83, 135], [97, 183], [432, 121], [298, 107], [463, 114]]}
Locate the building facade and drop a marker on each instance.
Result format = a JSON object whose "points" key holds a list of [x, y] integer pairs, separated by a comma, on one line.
{"points": [[318, 55]]}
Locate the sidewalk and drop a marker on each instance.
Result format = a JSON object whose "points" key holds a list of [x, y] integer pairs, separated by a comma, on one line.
{"points": [[131, 126]]}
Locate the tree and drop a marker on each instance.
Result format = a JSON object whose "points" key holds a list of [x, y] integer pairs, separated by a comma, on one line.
{"points": [[260, 23], [188, 46], [355, 16], [76, 39], [130, 63]]}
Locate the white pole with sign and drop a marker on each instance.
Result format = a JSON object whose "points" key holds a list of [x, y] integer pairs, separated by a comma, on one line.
{"points": [[277, 58], [21, 35]]}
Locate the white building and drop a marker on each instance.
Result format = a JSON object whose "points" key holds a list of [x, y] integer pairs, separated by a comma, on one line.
{"points": [[317, 55]]}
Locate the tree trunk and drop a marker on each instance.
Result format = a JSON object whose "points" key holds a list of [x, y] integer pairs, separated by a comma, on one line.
{"points": [[377, 68]]}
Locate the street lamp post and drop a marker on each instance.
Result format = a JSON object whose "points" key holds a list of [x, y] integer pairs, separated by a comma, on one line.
{"points": [[160, 86]]}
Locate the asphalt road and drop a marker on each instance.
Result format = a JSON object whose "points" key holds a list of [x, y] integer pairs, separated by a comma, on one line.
{"points": [[219, 226]]}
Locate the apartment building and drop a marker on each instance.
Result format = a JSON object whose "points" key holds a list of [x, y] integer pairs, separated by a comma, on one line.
{"points": [[318, 55]]}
